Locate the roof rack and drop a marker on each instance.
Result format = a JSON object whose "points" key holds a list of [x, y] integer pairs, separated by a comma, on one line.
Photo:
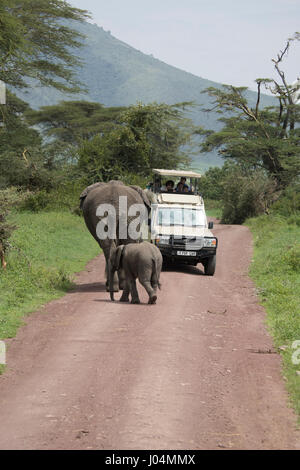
{"points": [[178, 173]]}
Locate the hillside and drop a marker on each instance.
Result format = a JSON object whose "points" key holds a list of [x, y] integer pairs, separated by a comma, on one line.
{"points": [[115, 74]]}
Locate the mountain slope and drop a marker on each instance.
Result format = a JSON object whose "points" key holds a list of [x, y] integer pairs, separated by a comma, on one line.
{"points": [[115, 74]]}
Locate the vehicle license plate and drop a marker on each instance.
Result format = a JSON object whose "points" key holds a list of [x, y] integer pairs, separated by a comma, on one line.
{"points": [[187, 253]]}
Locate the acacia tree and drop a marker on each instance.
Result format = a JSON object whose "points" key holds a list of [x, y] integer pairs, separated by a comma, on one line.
{"points": [[37, 43], [145, 136], [258, 137], [73, 121], [15, 133]]}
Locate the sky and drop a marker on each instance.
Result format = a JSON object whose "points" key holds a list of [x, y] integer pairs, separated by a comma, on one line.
{"points": [[227, 41]]}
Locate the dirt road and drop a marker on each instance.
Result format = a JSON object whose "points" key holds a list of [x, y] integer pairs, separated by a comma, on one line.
{"points": [[186, 373]]}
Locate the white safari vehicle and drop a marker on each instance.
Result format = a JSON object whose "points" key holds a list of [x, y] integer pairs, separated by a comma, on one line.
{"points": [[179, 225]]}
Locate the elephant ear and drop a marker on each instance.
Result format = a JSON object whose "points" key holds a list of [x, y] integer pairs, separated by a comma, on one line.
{"points": [[142, 194], [85, 192]]}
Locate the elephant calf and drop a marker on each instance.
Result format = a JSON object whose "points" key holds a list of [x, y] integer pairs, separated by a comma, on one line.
{"points": [[137, 260]]}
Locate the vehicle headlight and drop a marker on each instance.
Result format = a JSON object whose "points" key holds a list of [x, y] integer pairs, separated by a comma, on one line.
{"points": [[210, 242], [162, 240]]}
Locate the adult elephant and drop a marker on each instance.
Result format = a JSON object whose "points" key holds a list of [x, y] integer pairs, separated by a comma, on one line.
{"points": [[94, 202]]}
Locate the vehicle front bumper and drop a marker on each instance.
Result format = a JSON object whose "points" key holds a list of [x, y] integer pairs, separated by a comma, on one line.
{"points": [[171, 253]]}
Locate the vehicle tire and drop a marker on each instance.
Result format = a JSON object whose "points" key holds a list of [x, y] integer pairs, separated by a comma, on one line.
{"points": [[166, 261], [210, 266]]}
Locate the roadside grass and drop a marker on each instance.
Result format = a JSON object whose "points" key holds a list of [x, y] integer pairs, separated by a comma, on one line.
{"points": [[276, 272], [47, 249]]}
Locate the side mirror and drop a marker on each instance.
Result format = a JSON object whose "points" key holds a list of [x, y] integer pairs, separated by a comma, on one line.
{"points": [[210, 225]]}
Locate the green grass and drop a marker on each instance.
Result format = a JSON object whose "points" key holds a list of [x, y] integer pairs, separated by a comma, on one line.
{"points": [[47, 249], [276, 272]]}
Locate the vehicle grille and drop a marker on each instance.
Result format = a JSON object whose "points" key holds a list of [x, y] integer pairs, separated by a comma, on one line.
{"points": [[187, 242]]}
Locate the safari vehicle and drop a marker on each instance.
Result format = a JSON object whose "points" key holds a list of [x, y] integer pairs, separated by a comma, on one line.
{"points": [[179, 225]]}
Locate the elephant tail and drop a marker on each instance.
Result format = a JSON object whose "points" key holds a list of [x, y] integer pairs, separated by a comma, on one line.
{"points": [[155, 275]]}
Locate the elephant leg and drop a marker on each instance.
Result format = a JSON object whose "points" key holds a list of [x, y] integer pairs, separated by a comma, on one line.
{"points": [[122, 279], [106, 278], [116, 282], [106, 255], [106, 251], [126, 290], [154, 282], [134, 293], [150, 291], [156, 275]]}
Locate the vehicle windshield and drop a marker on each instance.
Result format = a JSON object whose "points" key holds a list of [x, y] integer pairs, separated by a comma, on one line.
{"points": [[181, 216]]}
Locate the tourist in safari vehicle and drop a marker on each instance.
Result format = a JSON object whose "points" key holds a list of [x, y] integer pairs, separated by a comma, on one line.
{"points": [[179, 226]]}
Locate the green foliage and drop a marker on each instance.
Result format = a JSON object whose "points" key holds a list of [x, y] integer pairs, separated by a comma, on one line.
{"points": [[24, 160], [134, 179], [146, 135], [264, 146], [37, 201], [211, 183], [5, 233], [265, 138], [9, 198], [94, 143], [161, 130], [116, 75], [246, 195], [26, 169], [74, 121], [36, 43], [289, 202], [254, 139], [48, 248], [291, 257], [15, 133], [12, 198], [63, 197], [96, 160]]}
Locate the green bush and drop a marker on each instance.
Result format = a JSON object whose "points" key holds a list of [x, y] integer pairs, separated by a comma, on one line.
{"points": [[289, 202], [294, 219], [12, 197], [36, 202], [29, 173], [211, 183], [246, 195], [291, 257], [9, 198], [65, 196]]}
